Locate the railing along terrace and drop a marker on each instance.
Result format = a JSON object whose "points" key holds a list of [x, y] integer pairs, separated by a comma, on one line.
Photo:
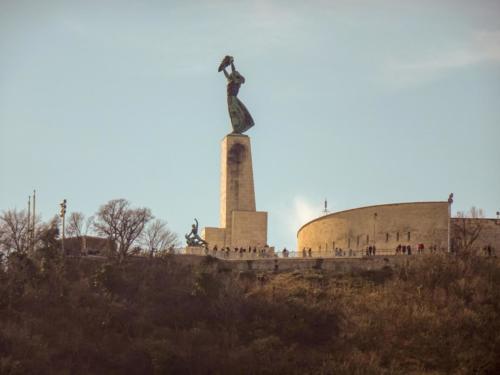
{"points": [[236, 253], [339, 253], [269, 253]]}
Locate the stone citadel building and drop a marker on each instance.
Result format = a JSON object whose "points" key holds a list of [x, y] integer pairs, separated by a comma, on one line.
{"points": [[389, 225]]}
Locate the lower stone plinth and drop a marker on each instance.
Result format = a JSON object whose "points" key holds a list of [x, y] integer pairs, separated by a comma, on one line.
{"points": [[249, 229], [214, 237], [195, 250]]}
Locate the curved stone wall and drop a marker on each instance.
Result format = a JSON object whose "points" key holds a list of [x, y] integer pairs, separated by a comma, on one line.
{"points": [[385, 226]]}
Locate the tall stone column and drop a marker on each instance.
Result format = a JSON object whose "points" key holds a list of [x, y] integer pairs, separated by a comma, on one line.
{"points": [[240, 224], [236, 179]]}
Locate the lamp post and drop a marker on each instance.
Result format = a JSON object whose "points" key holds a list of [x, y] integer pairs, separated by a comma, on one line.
{"points": [[450, 201], [28, 245], [374, 226], [33, 221], [63, 216]]}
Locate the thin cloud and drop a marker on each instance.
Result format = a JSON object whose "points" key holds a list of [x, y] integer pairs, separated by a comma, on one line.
{"points": [[303, 211], [300, 212], [288, 218], [482, 47]]}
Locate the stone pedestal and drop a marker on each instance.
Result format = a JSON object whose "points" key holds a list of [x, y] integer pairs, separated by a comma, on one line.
{"points": [[241, 225], [195, 250]]}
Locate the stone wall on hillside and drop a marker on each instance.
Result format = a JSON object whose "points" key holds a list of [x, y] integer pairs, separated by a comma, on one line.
{"points": [[290, 264]]}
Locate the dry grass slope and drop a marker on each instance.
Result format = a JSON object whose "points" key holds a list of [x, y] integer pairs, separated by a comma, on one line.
{"points": [[436, 315]]}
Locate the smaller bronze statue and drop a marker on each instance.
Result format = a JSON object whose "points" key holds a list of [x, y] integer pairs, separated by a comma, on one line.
{"points": [[192, 238], [241, 120]]}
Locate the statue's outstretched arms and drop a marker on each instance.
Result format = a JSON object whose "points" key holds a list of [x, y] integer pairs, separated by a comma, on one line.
{"points": [[226, 61], [196, 221], [232, 66], [225, 73]]}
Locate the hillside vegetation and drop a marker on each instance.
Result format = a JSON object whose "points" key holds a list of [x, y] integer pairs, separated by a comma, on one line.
{"points": [[437, 315]]}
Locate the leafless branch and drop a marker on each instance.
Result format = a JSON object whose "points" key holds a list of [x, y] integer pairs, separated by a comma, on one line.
{"points": [[157, 237], [14, 235], [78, 226], [121, 224], [467, 227]]}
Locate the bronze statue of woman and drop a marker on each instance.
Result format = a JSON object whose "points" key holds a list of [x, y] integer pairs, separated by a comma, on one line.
{"points": [[241, 120]]}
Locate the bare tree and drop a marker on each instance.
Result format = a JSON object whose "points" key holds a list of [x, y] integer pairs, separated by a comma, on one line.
{"points": [[157, 237], [14, 231], [474, 213], [466, 228], [121, 224], [78, 226]]}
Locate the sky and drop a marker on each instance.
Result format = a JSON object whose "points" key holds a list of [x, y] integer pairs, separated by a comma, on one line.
{"points": [[361, 102]]}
